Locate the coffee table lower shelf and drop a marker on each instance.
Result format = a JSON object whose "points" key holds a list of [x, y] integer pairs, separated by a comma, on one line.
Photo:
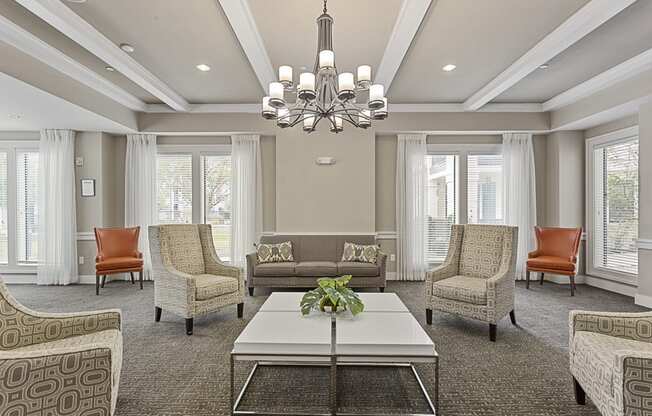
{"points": [[334, 364]]}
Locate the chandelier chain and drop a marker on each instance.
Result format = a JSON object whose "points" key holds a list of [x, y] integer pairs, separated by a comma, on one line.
{"points": [[325, 8]]}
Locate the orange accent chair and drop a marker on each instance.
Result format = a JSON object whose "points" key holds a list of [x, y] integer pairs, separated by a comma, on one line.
{"points": [[117, 252], [556, 253]]}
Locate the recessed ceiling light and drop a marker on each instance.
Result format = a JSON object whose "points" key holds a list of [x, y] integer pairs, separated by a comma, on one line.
{"points": [[127, 47], [109, 68], [76, 1], [14, 116], [203, 67], [449, 67], [544, 66]]}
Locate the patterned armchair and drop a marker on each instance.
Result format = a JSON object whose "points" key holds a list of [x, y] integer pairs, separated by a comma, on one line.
{"points": [[189, 278], [611, 361], [58, 363], [476, 279]]}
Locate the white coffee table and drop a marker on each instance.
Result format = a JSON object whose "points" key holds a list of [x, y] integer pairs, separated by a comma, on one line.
{"points": [[385, 334]]}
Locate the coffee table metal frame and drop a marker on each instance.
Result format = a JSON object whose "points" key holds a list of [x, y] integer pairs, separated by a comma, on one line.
{"points": [[332, 360]]}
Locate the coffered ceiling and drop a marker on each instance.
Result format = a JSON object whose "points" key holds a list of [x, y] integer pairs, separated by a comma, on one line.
{"points": [[497, 46]]}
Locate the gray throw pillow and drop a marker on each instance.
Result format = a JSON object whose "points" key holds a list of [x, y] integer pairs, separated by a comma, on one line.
{"points": [[360, 253]]}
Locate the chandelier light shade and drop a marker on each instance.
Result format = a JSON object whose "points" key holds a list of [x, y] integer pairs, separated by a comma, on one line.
{"points": [[325, 94]]}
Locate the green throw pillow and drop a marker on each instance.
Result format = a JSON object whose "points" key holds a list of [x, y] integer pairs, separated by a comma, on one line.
{"points": [[360, 253], [275, 253]]}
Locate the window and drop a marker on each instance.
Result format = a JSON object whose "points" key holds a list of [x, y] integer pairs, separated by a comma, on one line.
{"points": [[485, 189], [27, 170], [194, 186], [4, 220], [174, 184], [613, 204], [441, 208], [216, 192]]}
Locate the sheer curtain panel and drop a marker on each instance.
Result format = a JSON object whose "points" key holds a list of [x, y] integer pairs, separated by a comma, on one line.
{"points": [[246, 196], [57, 256], [140, 190], [411, 206], [520, 193]]}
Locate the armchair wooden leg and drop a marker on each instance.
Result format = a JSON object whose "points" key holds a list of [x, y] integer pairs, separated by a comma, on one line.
{"points": [[97, 285], [429, 316], [527, 279], [157, 314], [140, 277], [492, 332], [189, 325], [572, 284], [381, 289], [240, 310], [580, 395], [512, 316], [541, 281], [251, 291], [103, 281], [132, 278]]}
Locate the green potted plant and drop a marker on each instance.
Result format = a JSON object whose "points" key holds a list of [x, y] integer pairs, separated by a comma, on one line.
{"points": [[332, 295]]}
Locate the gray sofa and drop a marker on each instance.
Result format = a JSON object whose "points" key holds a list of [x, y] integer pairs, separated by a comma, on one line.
{"points": [[315, 256]]}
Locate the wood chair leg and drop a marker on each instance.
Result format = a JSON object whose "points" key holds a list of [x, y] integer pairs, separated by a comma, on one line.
{"points": [[132, 278], [97, 285], [157, 314], [429, 316], [381, 289], [572, 284], [580, 395], [512, 317], [251, 291], [189, 326], [103, 281], [240, 310], [140, 278], [527, 279], [541, 280], [492, 332]]}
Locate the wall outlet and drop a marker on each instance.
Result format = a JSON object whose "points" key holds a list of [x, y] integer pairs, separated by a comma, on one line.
{"points": [[81, 259], [392, 257], [79, 162]]}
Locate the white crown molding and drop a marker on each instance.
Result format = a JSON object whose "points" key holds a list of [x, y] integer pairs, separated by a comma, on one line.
{"points": [[386, 235], [583, 22], [62, 18], [616, 112], [33, 46], [644, 244], [244, 26], [405, 29], [621, 72]]}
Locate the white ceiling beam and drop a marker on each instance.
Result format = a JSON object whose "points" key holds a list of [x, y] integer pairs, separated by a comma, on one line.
{"points": [[26, 42], [395, 108], [70, 24], [244, 26], [583, 22], [632, 67], [405, 29]]}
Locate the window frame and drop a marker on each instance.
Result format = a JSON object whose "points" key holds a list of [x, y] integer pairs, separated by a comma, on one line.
{"points": [[463, 151], [12, 147], [593, 143]]}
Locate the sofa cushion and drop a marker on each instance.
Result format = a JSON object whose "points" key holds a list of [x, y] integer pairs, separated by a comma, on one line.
{"points": [[316, 268], [275, 269], [462, 288], [360, 253], [551, 263], [119, 263], [208, 286], [275, 253], [357, 269]]}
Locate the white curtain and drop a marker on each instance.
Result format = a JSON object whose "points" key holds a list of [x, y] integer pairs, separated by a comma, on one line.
{"points": [[57, 241], [140, 190], [520, 193], [246, 196], [411, 206]]}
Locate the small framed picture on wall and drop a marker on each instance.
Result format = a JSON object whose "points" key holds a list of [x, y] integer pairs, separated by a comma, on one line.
{"points": [[88, 187]]}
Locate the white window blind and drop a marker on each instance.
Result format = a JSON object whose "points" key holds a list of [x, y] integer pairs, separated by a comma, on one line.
{"points": [[485, 189], [615, 206], [174, 183], [441, 209], [27, 210], [216, 195], [4, 228]]}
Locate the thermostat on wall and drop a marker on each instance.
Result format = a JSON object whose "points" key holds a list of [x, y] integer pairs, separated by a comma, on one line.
{"points": [[325, 161]]}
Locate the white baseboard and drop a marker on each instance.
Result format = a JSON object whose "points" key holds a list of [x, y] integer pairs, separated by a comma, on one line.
{"points": [[391, 276], [643, 300], [30, 279], [559, 279], [611, 286]]}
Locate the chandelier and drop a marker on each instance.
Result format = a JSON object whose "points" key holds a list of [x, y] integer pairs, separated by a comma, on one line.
{"points": [[325, 94]]}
